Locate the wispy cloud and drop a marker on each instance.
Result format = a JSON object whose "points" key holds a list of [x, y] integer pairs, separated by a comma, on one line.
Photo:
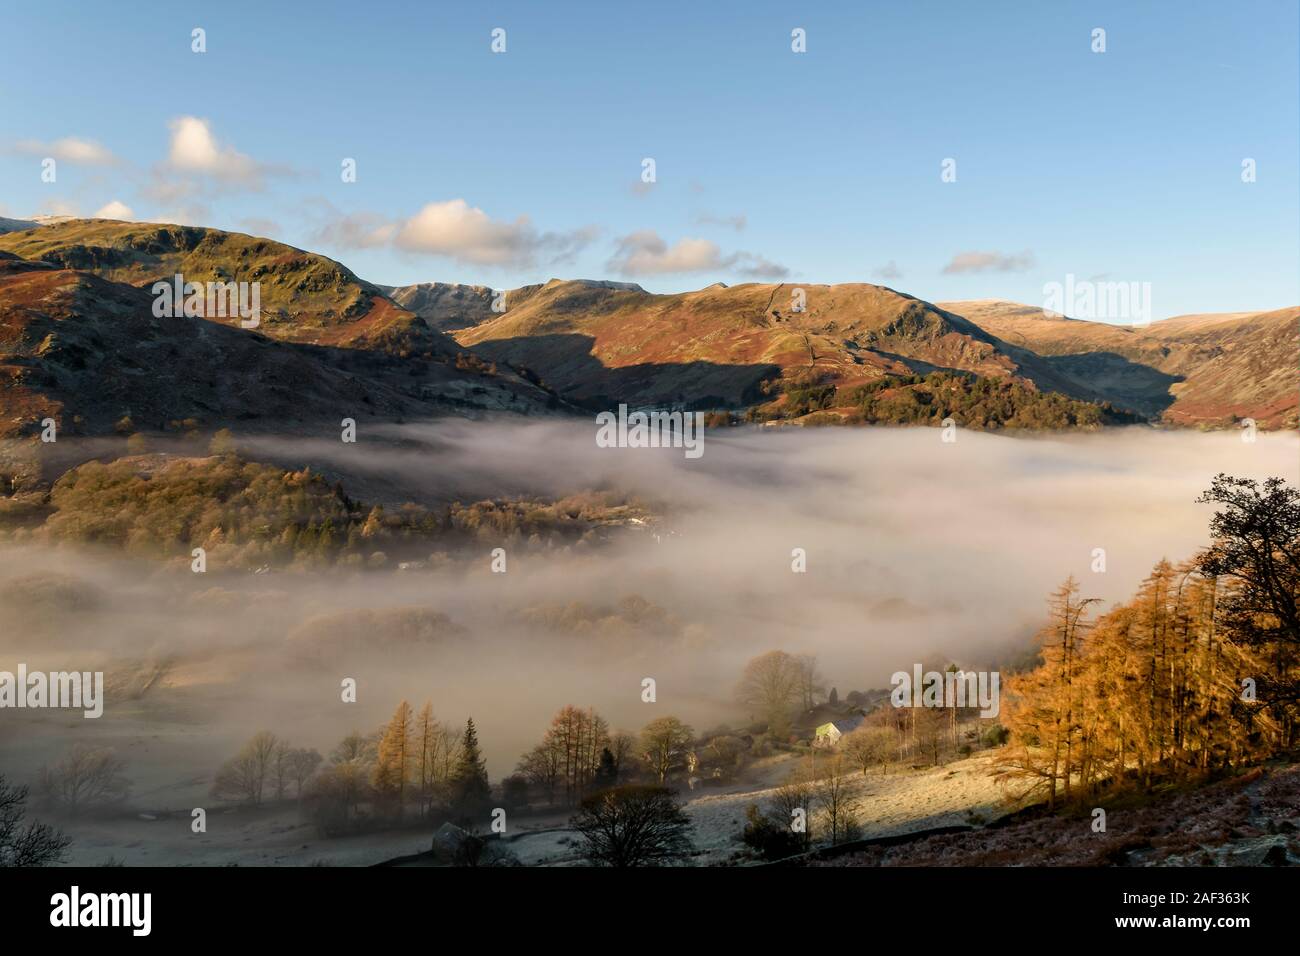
{"points": [[645, 253], [988, 262], [70, 149], [889, 271], [737, 222], [357, 230], [258, 226], [58, 207]]}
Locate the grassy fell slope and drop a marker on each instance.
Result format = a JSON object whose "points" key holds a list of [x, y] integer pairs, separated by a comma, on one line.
{"points": [[305, 297], [1190, 370], [86, 352], [597, 341]]}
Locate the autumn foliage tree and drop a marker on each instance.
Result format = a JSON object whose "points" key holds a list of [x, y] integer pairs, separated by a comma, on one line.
{"points": [[569, 755], [396, 760], [1193, 676]]}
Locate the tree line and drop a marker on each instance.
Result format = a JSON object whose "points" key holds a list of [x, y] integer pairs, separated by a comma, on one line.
{"points": [[1195, 676]]}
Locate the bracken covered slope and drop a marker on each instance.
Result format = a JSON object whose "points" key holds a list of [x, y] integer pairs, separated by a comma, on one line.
{"points": [[305, 297], [601, 342], [88, 352], [1188, 370]]}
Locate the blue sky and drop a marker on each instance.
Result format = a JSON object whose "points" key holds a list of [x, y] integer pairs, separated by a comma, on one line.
{"points": [[824, 166]]}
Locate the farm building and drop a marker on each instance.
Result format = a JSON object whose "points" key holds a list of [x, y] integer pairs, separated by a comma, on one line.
{"points": [[829, 734]]}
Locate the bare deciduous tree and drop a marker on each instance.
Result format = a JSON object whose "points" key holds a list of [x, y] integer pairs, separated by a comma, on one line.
{"points": [[810, 683], [868, 746], [791, 804], [664, 744], [430, 739], [301, 764], [622, 745], [356, 747], [335, 797], [831, 791], [541, 766], [87, 776], [770, 687], [244, 776], [633, 826], [25, 844]]}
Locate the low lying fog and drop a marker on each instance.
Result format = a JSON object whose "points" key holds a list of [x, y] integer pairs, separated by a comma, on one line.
{"points": [[915, 549]]}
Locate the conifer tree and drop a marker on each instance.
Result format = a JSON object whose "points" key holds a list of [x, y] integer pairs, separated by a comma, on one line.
{"points": [[470, 783]]}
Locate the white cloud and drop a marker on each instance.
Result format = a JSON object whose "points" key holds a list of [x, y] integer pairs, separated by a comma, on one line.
{"points": [[988, 262], [194, 149], [199, 166], [70, 149], [644, 253], [115, 210], [458, 231]]}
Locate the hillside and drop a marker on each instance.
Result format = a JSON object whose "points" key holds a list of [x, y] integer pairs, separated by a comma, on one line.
{"points": [[1244, 367], [1188, 370], [16, 225], [445, 306], [1249, 820], [249, 513], [973, 401], [305, 297], [598, 343], [88, 352]]}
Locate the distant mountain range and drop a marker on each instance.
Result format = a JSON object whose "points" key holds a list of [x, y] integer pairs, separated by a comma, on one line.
{"points": [[717, 346], [79, 342]]}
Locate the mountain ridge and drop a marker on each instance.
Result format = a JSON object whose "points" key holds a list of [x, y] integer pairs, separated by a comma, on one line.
{"points": [[594, 343], [1198, 369]]}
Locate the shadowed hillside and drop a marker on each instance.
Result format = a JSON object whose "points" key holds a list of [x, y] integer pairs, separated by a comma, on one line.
{"points": [[89, 353], [305, 297], [1190, 370], [846, 334]]}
